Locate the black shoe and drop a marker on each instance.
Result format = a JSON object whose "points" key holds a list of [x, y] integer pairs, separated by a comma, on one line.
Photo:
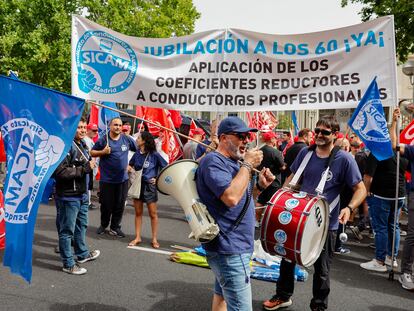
{"points": [[100, 230], [117, 232]]}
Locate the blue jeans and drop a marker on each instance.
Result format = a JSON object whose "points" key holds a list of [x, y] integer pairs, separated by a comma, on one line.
{"points": [[382, 216], [232, 274], [73, 221]]}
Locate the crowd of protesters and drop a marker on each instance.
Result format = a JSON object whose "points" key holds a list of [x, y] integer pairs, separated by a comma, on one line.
{"points": [[374, 217]]}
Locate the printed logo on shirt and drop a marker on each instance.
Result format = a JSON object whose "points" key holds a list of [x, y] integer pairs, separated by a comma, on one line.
{"points": [[146, 164], [291, 204], [285, 217], [124, 147], [280, 236], [330, 175]]}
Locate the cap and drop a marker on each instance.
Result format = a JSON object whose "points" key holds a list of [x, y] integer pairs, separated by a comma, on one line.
{"points": [[233, 125], [126, 128], [197, 131], [92, 127], [267, 136]]}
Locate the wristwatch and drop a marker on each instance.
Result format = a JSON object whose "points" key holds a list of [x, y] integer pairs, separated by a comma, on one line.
{"points": [[350, 209]]}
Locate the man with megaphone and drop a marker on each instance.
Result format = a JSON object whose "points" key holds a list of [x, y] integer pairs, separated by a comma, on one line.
{"points": [[222, 180]]}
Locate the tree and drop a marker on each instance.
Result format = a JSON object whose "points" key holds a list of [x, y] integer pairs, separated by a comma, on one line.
{"points": [[403, 11], [35, 35]]}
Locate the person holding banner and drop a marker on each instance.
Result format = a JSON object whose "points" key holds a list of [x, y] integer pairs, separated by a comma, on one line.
{"points": [[71, 177], [112, 150], [343, 171], [222, 184], [407, 260]]}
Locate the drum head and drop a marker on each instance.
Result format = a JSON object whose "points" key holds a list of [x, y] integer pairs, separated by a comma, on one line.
{"points": [[314, 232]]}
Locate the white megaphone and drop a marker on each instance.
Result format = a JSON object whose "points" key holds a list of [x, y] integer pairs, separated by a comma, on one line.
{"points": [[178, 181], [406, 107]]}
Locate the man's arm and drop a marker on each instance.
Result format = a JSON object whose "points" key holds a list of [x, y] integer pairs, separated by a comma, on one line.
{"points": [[234, 193], [358, 197], [393, 130]]}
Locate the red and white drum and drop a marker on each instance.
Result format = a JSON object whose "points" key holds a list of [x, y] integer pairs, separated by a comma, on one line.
{"points": [[295, 225]]}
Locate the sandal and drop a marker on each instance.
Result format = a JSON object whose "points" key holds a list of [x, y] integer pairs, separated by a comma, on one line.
{"points": [[134, 242], [155, 245]]}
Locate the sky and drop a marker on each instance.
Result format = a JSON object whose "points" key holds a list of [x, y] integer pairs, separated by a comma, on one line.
{"points": [[275, 16]]}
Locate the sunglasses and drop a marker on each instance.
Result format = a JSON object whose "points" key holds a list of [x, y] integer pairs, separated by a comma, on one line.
{"points": [[240, 136], [322, 131]]}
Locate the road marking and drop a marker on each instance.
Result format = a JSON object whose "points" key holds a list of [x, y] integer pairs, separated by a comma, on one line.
{"points": [[150, 250]]}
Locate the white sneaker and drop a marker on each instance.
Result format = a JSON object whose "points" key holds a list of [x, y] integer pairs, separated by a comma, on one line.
{"points": [[388, 262], [373, 265], [75, 269], [406, 281]]}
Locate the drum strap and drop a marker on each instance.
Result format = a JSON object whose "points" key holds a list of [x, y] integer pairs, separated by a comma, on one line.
{"points": [[300, 170], [304, 163]]}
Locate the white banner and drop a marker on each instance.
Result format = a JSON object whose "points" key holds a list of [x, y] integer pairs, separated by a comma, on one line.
{"points": [[235, 70]]}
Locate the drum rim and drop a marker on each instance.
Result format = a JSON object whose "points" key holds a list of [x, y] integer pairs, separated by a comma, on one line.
{"points": [[325, 232], [268, 210]]}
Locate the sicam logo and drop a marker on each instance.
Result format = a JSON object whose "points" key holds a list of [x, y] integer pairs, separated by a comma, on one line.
{"points": [[37, 151], [105, 63]]}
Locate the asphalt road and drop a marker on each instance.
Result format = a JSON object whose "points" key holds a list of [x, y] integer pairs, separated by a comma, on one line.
{"points": [[128, 279]]}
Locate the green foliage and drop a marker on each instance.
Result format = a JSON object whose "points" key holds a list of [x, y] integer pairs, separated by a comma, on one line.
{"points": [[403, 11], [285, 121], [35, 35]]}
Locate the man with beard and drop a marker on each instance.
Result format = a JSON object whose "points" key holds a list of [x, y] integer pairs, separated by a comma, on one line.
{"points": [[223, 186], [342, 171]]}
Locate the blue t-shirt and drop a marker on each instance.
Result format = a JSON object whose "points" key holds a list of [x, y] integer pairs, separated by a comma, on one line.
{"points": [[201, 149], [343, 171], [213, 177], [151, 167], [113, 166]]}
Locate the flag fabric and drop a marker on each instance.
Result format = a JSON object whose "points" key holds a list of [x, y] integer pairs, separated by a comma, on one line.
{"points": [[2, 150], [295, 123], [369, 123], [38, 126], [2, 223], [167, 143], [176, 118], [407, 135], [105, 116]]}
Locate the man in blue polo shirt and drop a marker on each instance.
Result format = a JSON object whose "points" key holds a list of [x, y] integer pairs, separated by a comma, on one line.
{"points": [[222, 184], [113, 185]]}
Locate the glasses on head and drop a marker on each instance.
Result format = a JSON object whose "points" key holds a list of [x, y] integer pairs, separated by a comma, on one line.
{"points": [[240, 136], [322, 131]]}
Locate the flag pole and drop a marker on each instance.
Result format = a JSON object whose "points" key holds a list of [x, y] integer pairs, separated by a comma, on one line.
{"points": [[397, 182], [161, 127]]}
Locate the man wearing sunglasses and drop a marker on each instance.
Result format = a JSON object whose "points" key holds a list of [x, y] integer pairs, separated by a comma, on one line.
{"points": [[223, 186], [342, 171]]}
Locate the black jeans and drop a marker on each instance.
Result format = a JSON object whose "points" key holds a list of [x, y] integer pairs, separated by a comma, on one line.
{"points": [[321, 285], [112, 198], [408, 249]]}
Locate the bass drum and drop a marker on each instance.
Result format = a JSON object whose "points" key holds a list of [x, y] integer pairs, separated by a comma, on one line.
{"points": [[294, 226]]}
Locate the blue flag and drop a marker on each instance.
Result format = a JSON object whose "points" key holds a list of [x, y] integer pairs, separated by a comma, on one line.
{"points": [[295, 123], [369, 123], [38, 126], [105, 116]]}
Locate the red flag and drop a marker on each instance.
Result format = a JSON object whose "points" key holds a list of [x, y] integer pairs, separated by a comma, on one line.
{"points": [[2, 151], [94, 119], [407, 135], [176, 118], [170, 144]]}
